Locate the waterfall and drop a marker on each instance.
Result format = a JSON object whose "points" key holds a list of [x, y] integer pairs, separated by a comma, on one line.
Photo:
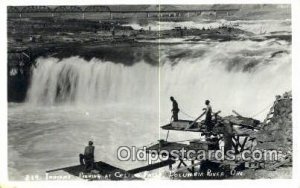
{"points": [[239, 75]]}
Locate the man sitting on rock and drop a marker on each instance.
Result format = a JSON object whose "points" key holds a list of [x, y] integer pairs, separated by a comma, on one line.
{"points": [[87, 158]]}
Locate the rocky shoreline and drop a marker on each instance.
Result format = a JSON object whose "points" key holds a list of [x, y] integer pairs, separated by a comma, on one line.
{"points": [[276, 134]]}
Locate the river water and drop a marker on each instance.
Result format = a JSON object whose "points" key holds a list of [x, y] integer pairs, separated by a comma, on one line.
{"points": [[72, 101]]}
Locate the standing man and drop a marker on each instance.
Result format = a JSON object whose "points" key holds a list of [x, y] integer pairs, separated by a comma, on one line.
{"points": [[208, 116], [175, 109]]}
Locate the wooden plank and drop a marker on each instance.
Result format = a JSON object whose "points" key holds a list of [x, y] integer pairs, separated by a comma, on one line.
{"points": [[59, 169], [169, 127], [191, 124], [214, 114], [233, 111], [151, 166], [103, 168]]}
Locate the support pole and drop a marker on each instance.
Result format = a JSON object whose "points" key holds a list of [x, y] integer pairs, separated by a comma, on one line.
{"points": [[170, 165], [243, 144], [167, 135], [193, 167]]}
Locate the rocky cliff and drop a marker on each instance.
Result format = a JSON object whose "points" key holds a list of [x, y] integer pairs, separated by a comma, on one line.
{"points": [[276, 133]]}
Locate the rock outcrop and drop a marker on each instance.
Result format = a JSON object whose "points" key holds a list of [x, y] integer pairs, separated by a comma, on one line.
{"points": [[276, 132]]}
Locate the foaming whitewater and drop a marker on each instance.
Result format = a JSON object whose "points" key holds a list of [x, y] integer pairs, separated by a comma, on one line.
{"points": [[239, 76], [255, 26], [236, 75], [79, 82]]}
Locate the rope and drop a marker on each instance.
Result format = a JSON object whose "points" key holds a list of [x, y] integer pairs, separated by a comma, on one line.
{"points": [[261, 111], [186, 114]]}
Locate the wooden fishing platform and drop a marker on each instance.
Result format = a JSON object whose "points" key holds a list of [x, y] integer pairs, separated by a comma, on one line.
{"points": [[239, 129], [181, 125], [101, 171], [192, 165], [172, 146], [104, 171], [234, 129]]}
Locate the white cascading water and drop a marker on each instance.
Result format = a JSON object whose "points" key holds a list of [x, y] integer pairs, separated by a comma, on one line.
{"points": [[239, 76], [222, 75], [76, 81]]}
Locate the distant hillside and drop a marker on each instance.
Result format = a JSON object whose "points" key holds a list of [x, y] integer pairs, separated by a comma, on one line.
{"points": [[247, 11]]}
